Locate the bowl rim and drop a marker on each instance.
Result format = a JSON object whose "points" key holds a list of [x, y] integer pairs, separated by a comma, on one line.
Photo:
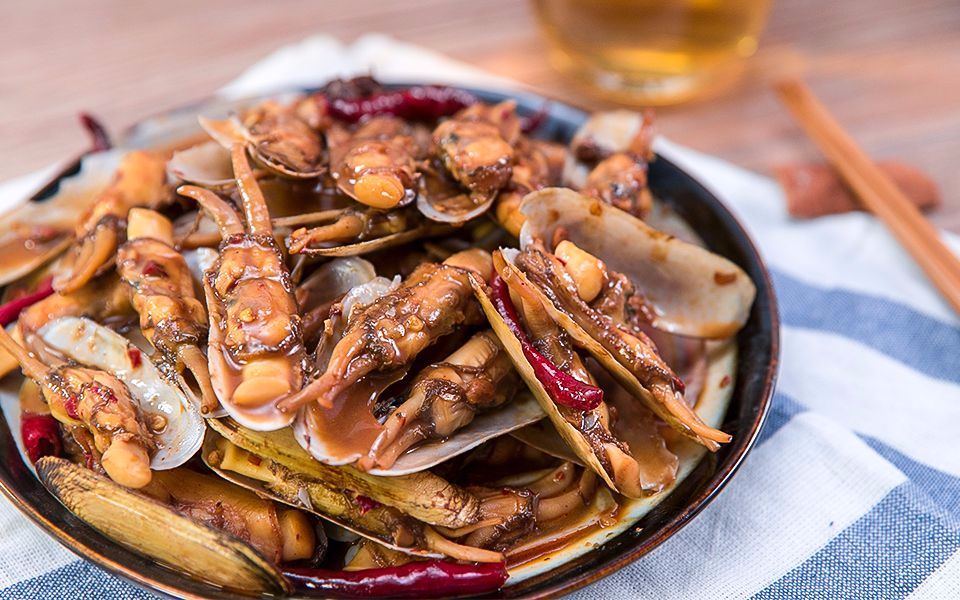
{"points": [[556, 111]]}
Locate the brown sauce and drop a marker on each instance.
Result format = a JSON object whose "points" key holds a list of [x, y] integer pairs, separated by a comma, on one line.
{"points": [[529, 552], [24, 253], [348, 428]]}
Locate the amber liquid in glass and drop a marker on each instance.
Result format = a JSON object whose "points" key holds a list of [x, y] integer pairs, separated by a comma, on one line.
{"points": [[651, 51]]}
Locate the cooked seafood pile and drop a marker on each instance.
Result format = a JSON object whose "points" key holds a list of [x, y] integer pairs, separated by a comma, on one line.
{"points": [[363, 337]]}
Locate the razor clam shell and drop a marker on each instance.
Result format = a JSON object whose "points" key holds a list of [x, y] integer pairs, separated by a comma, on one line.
{"points": [[521, 411], [207, 165], [199, 261], [61, 212], [157, 531], [424, 496], [544, 437], [511, 344], [698, 431], [315, 493], [93, 345], [685, 285], [711, 406]]}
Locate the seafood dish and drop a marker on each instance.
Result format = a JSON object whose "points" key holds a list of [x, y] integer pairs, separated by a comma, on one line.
{"points": [[366, 341]]}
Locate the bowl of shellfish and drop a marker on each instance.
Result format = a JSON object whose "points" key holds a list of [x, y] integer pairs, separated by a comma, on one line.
{"points": [[376, 340]]}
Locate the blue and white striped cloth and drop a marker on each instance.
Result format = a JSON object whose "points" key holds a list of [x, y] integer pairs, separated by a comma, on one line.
{"points": [[854, 488]]}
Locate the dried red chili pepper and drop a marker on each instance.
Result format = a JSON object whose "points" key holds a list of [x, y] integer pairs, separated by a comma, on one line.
{"points": [[40, 435], [136, 359], [362, 97], [534, 121], [366, 504], [563, 388], [417, 103], [99, 138], [426, 579], [11, 310]]}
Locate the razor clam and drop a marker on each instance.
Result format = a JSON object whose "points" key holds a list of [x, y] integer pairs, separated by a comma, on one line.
{"points": [[523, 410], [140, 180], [275, 137], [280, 534], [623, 473], [38, 231], [452, 406], [255, 351], [162, 292], [147, 526], [601, 510], [688, 290], [93, 345], [628, 356], [383, 524], [379, 343], [423, 495]]}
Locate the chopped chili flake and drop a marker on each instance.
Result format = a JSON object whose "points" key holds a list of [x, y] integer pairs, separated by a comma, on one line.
{"points": [[136, 358], [366, 504], [153, 269], [70, 405], [721, 278], [43, 233]]}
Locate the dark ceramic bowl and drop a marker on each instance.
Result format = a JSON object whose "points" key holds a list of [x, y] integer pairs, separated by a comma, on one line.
{"points": [[758, 352]]}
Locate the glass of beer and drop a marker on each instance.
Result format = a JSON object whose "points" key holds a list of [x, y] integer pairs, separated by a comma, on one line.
{"points": [[651, 52]]}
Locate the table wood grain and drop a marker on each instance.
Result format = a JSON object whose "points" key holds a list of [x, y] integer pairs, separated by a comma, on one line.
{"points": [[890, 70]]}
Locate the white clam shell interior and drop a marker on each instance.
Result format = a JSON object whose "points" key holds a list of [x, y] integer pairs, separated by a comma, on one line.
{"points": [[691, 290], [95, 346]]}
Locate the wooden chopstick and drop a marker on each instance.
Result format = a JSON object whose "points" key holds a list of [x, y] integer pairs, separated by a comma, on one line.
{"points": [[875, 190]]}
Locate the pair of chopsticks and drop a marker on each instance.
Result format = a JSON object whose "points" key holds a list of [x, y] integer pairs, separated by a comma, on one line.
{"points": [[876, 192]]}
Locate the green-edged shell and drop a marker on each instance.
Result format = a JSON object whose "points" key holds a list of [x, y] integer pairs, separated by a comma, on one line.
{"points": [[423, 496], [338, 506], [155, 530]]}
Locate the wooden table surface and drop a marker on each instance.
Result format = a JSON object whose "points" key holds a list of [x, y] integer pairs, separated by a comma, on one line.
{"points": [[889, 69]]}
